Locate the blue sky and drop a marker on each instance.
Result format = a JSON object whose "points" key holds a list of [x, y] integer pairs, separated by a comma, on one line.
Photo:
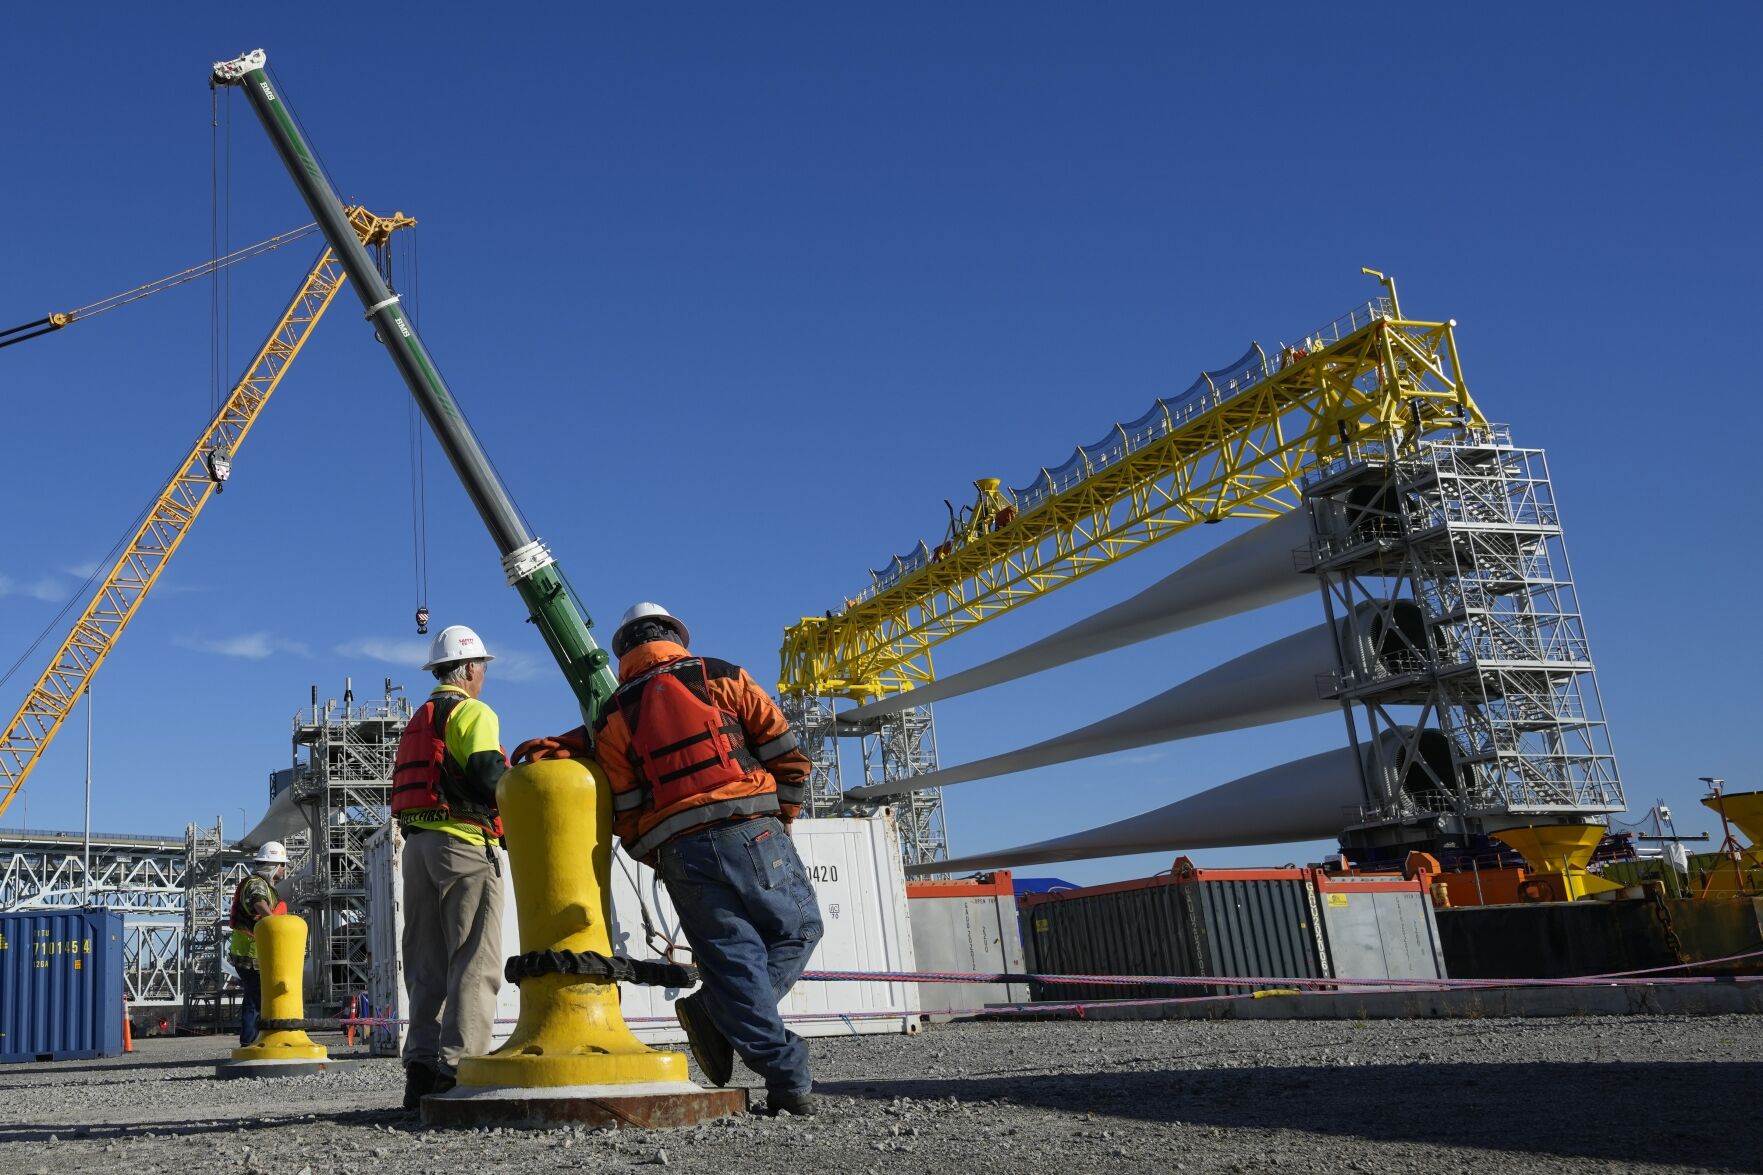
{"points": [[735, 296]]}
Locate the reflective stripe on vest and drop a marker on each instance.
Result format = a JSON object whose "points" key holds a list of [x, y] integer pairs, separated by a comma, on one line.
{"points": [[762, 804], [766, 752], [681, 743]]}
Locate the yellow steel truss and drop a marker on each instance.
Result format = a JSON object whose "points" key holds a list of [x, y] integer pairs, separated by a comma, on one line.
{"points": [[129, 579], [1390, 380]]}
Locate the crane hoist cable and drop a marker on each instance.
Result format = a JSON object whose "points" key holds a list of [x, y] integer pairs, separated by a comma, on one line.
{"points": [[52, 322], [419, 541]]}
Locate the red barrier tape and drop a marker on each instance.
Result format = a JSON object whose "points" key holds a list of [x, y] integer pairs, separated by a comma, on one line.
{"points": [[1609, 979]]}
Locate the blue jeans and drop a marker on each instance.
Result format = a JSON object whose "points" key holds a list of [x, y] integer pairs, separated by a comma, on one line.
{"points": [[749, 913], [250, 1003]]}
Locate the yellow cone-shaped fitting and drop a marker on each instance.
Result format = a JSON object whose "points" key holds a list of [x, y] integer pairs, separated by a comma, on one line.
{"points": [[1744, 811], [1563, 850], [558, 817], [281, 954]]}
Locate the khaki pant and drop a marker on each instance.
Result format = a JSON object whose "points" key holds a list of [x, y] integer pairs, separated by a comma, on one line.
{"points": [[452, 948]]}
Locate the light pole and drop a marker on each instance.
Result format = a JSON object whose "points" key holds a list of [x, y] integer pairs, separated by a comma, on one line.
{"points": [[87, 869]]}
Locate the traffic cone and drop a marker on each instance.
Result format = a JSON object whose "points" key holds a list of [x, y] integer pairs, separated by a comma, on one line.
{"points": [[128, 1028]]}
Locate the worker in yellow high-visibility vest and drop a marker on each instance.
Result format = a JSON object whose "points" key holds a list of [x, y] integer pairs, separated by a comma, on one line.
{"points": [[254, 898], [444, 799]]}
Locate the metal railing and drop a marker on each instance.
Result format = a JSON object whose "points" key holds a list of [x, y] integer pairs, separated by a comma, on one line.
{"points": [[1174, 415]]}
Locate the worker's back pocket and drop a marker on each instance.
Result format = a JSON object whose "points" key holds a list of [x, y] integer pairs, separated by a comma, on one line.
{"points": [[772, 856]]}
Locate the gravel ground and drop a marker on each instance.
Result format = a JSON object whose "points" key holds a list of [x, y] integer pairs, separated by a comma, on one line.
{"points": [[1588, 1095]]}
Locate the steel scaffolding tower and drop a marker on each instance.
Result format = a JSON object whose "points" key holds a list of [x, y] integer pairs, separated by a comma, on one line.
{"points": [[343, 759], [1466, 528], [899, 746], [811, 717], [212, 870], [892, 747]]}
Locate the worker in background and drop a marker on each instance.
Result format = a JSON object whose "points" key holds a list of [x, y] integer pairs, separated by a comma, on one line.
{"points": [[706, 780], [255, 897], [444, 799]]}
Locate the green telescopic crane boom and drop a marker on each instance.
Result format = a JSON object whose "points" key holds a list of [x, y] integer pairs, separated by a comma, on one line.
{"points": [[528, 564]]}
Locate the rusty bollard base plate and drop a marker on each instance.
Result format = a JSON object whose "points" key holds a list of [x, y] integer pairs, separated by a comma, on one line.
{"points": [[647, 1106]]}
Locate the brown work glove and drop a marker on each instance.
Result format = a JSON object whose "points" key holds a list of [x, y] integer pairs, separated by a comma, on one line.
{"points": [[573, 745]]}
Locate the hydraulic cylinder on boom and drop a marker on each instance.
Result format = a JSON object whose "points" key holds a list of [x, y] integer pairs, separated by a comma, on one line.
{"points": [[530, 569]]}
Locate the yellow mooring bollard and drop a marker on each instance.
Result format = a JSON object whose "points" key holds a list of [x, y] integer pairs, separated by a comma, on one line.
{"points": [[571, 1031], [280, 1052], [571, 1056], [281, 953]]}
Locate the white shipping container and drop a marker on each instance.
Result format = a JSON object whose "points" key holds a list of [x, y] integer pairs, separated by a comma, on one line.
{"points": [[855, 867]]}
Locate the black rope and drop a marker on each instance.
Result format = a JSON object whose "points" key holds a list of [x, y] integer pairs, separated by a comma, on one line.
{"points": [[302, 1025], [43, 325], [614, 968], [213, 247]]}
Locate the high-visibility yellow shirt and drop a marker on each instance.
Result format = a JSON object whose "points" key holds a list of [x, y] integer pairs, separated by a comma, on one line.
{"points": [[474, 743]]}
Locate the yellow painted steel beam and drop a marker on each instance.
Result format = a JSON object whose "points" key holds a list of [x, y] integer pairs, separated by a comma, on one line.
{"points": [[119, 595], [1390, 381]]}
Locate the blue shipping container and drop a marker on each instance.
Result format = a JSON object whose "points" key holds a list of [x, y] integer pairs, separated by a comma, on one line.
{"points": [[60, 985]]}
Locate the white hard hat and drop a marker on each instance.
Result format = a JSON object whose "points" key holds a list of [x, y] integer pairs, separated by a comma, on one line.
{"points": [[649, 610], [456, 643], [273, 852]]}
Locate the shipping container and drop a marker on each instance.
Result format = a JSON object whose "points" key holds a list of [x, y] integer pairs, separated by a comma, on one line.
{"points": [[61, 985], [969, 925], [1565, 940], [855, 867], [1224, 922], [1379, 926]]}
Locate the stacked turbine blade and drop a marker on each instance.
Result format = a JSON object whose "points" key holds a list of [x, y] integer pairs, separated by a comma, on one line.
{"points": [[1307, 799], [1275, 683], [1253, 570]]}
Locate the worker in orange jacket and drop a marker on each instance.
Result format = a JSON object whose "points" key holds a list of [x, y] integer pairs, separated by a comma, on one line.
{"points": [[706, 781]]}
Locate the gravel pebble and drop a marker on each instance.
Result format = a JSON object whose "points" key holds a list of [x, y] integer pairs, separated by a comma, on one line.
{"points": [[1437, 1096]]}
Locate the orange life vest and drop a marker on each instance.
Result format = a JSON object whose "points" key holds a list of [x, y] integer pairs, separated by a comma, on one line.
{"points": [[681, 743], [425, 777]]}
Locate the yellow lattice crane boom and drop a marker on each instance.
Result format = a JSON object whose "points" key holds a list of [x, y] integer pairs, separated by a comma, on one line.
{"points": [[1236, 450], [119, 595]]}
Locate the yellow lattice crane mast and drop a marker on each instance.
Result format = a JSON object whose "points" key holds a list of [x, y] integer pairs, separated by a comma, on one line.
{"points": [[209, 462], [1234, 446]]}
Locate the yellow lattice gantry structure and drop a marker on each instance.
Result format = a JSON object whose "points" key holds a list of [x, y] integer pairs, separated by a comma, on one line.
{"points": [[1235, 446]]}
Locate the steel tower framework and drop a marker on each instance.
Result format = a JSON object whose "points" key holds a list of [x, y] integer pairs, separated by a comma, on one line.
{"points": [[1466, 528], [343, 759], [895, 746], [212, 870]]}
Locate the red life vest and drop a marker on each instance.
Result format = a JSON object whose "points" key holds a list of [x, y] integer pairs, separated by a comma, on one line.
{"points": [[425, 777], [681, 744], [243, 920]]}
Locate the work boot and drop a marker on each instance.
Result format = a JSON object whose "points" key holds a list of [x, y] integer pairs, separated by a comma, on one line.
{"points": [[714, 1054], [802, 1104], [419, 1079], [444, 1082]]}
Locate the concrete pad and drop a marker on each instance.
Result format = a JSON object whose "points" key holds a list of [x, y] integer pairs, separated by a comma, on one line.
{"points": [[642, 1106]]}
